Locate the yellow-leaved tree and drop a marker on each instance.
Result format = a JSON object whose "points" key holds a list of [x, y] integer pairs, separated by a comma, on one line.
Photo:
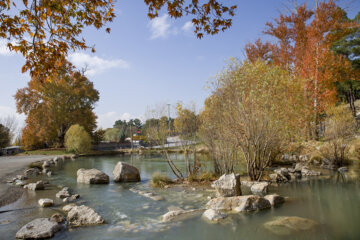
{"points": [[77, 139]]}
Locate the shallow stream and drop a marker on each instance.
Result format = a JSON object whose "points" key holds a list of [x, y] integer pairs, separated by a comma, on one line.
{"points": [[332, 200]]}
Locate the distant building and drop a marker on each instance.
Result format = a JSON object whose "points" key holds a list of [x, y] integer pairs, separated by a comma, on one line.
{"points": [[10, 151]]}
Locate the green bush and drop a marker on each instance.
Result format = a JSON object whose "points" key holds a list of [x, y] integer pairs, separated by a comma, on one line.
{"points": [[160, 180], [77, 139]]}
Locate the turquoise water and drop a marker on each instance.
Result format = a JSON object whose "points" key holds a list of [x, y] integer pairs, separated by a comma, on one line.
{"points": [[332, 201]]}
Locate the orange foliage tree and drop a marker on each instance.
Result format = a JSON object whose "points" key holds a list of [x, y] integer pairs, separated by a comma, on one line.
{"points": [[68, 98], [303, 45], [44, 31]]}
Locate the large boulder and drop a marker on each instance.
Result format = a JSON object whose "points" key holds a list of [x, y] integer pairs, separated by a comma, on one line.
{"points": [[124, 172], [179, 215], [246, 203], [83, 216], [213, 215], [260, 187], [39, 228], [290, 225], [92, 176], [228, 185], [275, 199], [39, 185]]}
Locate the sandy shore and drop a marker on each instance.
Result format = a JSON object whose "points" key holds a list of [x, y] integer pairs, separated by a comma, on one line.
{"points": [[9, 168]]}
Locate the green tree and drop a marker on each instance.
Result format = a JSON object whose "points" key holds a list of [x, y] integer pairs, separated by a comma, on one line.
{"points": [[112, 135], [77, 139], [349, 46], [4, 136], [98, 136]]}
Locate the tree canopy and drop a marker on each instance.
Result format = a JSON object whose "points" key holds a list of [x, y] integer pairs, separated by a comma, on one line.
{"points": [[44, 31], [52, 108]]}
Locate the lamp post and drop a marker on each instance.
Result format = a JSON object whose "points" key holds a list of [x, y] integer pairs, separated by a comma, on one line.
{"points": [[169, 116]]}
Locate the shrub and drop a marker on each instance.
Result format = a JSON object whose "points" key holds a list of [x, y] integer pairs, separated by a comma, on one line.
{"points": [[160, 180], [207, 177], [77, 139], [340, 127]]}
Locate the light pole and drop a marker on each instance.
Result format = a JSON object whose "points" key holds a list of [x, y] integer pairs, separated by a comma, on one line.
{"points": [[169, 116]]}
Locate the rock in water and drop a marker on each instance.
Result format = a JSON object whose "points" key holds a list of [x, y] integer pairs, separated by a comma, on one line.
{"points": [[213, 215], [179, 215], [31, 172], [39, 185], [46, 202], [63, 193], [260, 187], [38, 229], [124, 172], [239, 203], [290, 225], [275, 199], [91, 176], [82, 216], [227, 185]]}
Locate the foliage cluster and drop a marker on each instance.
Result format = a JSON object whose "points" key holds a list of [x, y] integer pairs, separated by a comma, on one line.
{"points": [[77, 139]]}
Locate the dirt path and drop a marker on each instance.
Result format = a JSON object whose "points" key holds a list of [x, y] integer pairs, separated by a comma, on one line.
{"points": [[9, 168]]}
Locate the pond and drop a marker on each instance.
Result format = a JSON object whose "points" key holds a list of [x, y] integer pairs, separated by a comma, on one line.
{"points": [[333, 201]]}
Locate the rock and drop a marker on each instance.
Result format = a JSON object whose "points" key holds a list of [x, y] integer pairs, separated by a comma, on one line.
{"points": [[343, 169], [45, 171], [57, 159], [239, 203], [290, 225], [91, 176], [247, 183], [83, 215], [304, 158], [46, 164], [124, 172], [68, 207], [71, 199], [326, 163], [31, 172], [157, 198], [21, 177], [20, 183], [275, 199], [307, 172], [39, 228], [227, 185], [57, 217], [49, 174], [179, 215], [299, 167], [63, 193], [260, 187], [213, 215], [39, 185], [283, 172], [275, 177], [45, 202]]}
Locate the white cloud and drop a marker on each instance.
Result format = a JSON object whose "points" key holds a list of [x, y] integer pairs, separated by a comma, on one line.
{"points": [[4, 50], [96, 64], [187, 27], [108, 119], [161, 28]]}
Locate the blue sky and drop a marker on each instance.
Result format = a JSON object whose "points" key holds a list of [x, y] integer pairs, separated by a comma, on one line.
{"points": [[146, 63]]}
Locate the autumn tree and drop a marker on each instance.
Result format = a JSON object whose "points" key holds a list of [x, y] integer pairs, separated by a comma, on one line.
{"points": [[303, 41], [67, 99], [254, 111], [44, 31]]}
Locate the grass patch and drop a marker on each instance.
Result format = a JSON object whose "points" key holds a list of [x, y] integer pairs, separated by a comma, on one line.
{"points": [[204, 177], [50, 151], [160, 180]]}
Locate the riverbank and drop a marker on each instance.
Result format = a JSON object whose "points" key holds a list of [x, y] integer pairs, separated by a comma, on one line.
{"points": [[11, 166]]}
